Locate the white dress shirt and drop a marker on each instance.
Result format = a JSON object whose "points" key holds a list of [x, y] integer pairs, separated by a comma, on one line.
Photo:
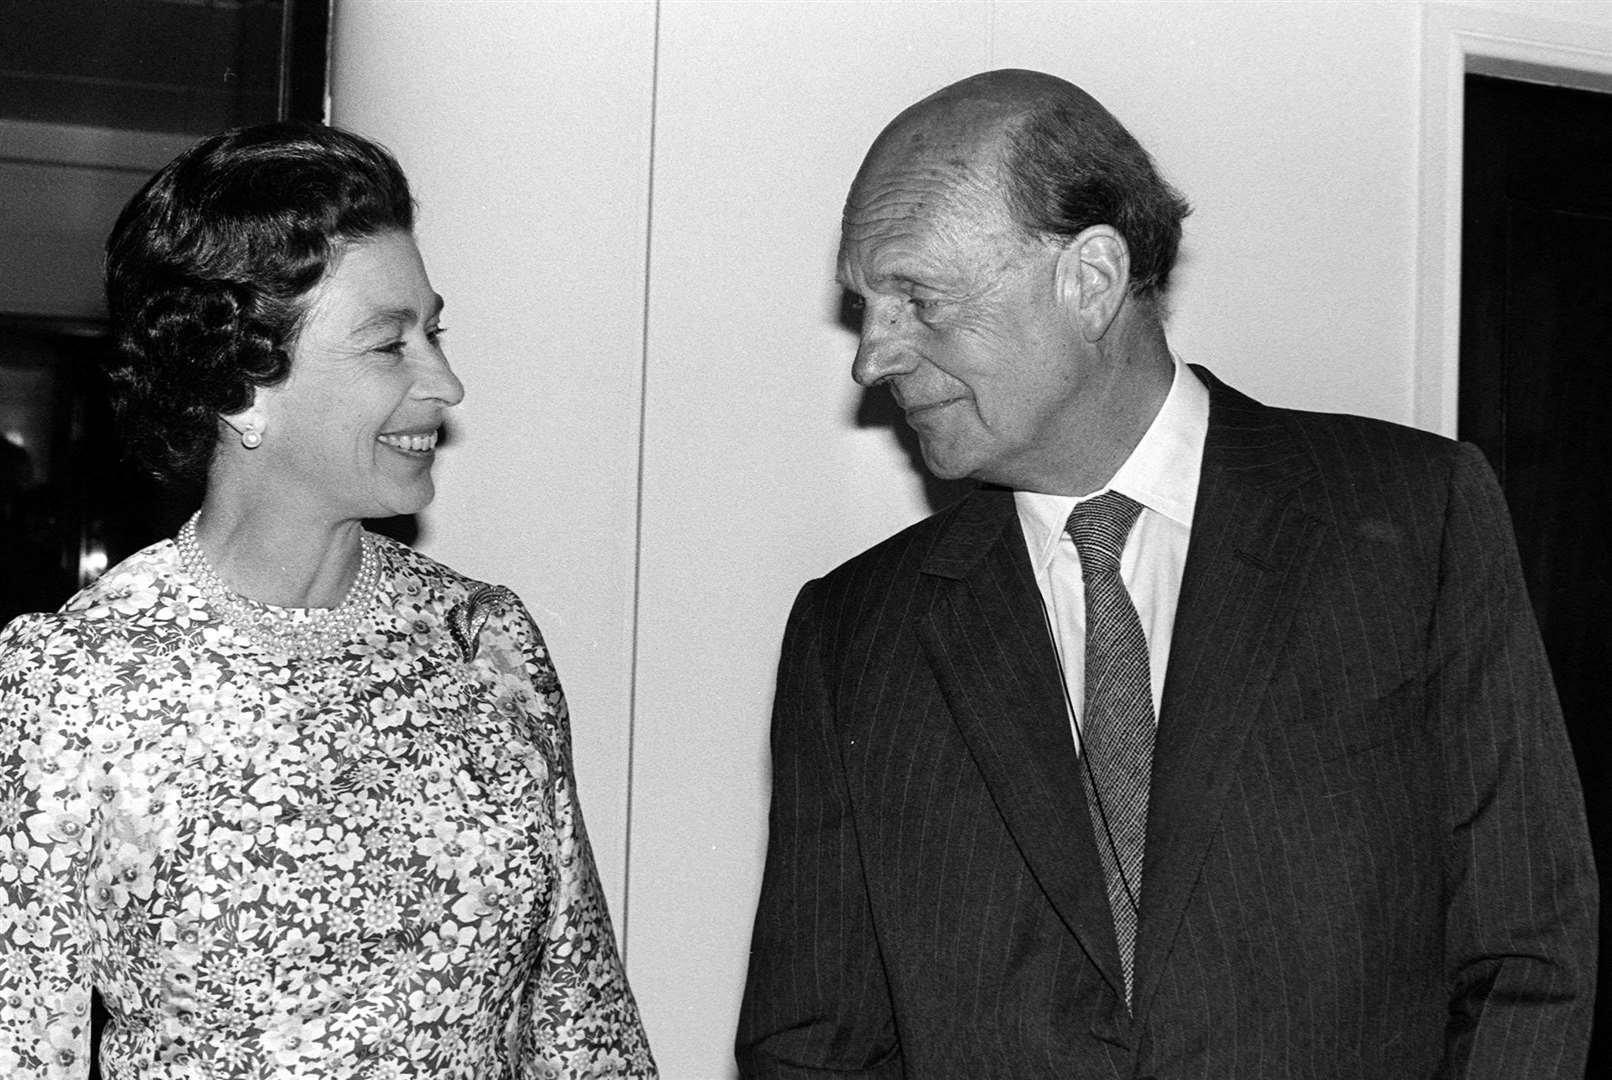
{"points": [[1162, 475]]}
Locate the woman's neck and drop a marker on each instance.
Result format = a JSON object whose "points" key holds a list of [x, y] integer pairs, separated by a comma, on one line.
{"points": [[280, 559]]}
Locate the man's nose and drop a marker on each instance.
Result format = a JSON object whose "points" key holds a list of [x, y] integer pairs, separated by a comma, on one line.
{"points": [[883, 350]]}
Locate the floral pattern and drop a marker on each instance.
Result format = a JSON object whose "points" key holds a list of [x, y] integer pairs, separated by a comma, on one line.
{"points": [[367, 866]]}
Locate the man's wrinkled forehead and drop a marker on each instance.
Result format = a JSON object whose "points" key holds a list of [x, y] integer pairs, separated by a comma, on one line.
{"points": [[920, 171]]}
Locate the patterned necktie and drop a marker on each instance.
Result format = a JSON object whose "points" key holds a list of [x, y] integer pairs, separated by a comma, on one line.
{"points": [[1117, 730]]}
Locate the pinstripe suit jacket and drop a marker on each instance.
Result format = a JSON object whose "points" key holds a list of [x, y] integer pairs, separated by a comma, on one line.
{"points": [[1366, 851]]}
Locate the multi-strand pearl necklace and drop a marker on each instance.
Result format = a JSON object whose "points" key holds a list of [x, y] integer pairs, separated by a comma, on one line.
{"points": [[306, 636]]}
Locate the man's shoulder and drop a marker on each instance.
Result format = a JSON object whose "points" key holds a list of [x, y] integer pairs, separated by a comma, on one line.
{"points": [[910, 545], [1336, 439], [921, 543], [1379, 461], [1347, 468], [1351, 427]]}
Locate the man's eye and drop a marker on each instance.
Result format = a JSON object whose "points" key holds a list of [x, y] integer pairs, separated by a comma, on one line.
{"points": [[393, 348], [852, 310]]}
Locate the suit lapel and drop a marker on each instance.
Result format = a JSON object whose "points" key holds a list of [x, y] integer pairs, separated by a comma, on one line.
{"points": [[1251, 546], [986, 638], [993, 659]]}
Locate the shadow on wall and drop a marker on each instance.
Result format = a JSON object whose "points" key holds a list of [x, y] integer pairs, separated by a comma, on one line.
{"points": [[879, 409], [405, 528]]}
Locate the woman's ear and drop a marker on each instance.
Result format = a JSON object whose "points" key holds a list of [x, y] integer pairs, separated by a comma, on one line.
{"points": [[249, 424], [1094, 279]]}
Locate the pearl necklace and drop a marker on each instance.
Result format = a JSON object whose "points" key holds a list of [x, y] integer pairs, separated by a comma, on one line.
{"points": [[315, 634]]}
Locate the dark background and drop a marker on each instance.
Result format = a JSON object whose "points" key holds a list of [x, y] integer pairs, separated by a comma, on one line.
{"points": [[70, 505], [1536, 393]]}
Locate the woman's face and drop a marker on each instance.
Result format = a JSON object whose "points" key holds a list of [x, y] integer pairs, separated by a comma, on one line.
{"points": [[351, 433]]}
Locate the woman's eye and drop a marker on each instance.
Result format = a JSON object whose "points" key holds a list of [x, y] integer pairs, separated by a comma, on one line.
{"points": [[434, 335], [393, 348]]}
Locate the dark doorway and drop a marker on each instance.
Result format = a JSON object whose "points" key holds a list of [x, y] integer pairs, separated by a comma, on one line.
{"points": [[1536, 395], [71, 504]]}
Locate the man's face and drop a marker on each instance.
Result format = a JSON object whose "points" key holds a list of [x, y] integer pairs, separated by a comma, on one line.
{"points": [[961, 315]]}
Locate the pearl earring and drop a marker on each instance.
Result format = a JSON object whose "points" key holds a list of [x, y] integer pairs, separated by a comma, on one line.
{"points": [[251, 438]]}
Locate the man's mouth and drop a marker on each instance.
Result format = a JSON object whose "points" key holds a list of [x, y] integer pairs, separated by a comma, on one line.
{"points": [[917, 412]]}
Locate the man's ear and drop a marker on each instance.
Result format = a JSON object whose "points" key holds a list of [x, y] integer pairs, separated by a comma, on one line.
{"points": [[1094, 279]]}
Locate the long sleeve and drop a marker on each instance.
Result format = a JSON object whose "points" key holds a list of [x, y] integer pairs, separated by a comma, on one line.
{"points": [[578, 1019], [1521, 927], [816, 1002], [47, 816]]}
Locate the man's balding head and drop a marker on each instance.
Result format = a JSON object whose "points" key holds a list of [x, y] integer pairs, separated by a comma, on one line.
{"points": [[1050, 153]]}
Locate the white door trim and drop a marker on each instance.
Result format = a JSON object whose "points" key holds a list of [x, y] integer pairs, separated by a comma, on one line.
{"points": [[1458, 39]]}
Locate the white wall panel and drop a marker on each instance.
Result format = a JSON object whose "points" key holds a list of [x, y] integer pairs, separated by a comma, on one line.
{"points": [[1291, 129], [524, 129], [757, 474]]}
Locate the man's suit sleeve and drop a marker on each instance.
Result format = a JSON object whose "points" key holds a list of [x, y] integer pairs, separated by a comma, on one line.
{"points": [[1521, 926], [815, 1002]]}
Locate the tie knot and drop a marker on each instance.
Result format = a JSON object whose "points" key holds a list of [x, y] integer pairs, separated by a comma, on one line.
{"points": [[1099, 527]]}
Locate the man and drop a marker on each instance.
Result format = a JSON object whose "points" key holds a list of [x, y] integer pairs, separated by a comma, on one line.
{"points": [[1205, 740]]}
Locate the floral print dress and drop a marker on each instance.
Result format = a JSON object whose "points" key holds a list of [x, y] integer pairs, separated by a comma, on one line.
{"points": [[365, 866]]}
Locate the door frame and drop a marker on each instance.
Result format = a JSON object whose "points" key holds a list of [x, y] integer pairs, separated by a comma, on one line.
{"points": [[1458, 39]]}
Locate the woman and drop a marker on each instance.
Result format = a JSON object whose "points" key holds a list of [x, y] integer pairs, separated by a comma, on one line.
{"points": [[295, 799]]}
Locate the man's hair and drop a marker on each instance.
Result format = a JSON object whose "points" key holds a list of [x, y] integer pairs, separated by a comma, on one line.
{"points": [[1067, 169], [209, 267]]}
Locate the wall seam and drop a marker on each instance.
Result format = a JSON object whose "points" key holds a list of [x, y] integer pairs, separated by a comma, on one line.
{"points": [[638, 488]]}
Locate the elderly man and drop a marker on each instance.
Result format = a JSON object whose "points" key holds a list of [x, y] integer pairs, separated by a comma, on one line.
{"points": [[1204, 739]]}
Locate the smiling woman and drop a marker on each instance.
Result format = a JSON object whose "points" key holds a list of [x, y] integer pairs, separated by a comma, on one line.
{"points": [[294, 799], [355, 423]]}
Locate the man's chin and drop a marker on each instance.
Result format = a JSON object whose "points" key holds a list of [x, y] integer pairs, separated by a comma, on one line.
{"points": [[945, 467]]}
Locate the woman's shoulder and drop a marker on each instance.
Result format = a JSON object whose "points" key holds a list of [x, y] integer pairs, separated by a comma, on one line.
{"points": [[136, 584], [414, 572], [433, 584], [481, 617], [140, 587]]}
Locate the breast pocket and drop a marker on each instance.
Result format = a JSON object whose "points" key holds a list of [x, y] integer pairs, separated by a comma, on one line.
{"points": [[1318, 725]]}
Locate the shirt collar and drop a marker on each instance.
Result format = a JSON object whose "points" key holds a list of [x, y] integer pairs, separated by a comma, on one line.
{"points": [[1161, 473]]}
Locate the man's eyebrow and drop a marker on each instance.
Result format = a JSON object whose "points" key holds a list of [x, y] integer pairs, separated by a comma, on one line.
{"points": [[898, 281]]}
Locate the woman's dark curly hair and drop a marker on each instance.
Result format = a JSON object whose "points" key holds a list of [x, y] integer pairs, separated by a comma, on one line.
{"points": [[209, 267]]}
